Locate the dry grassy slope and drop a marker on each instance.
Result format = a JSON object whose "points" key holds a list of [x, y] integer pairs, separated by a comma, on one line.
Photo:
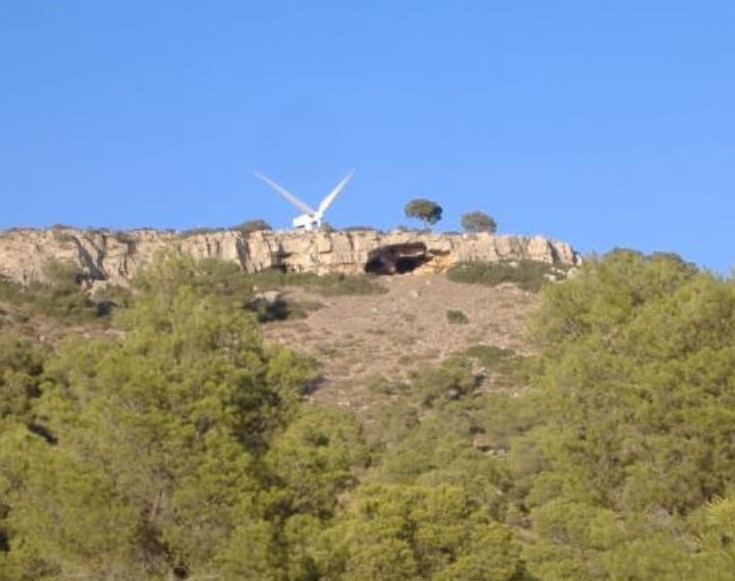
{"points": [[7, 315], [358, 336], [43, 328]]}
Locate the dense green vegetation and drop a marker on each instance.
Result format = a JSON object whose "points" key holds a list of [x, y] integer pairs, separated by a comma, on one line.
{"points": [[157, 451], [62, 297], [637, 369], [181, 446]]}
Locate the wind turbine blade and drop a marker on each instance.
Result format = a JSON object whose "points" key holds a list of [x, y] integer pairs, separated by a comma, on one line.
{"points": [[326, 202], [288, 195]]}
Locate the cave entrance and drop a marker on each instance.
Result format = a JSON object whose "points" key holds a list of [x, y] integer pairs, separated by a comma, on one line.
{"points": [[397, 258]]}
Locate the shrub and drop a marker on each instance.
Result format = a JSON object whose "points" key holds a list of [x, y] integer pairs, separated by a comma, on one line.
{"points": [[360, 229], [123, 237], [21, 373], [380, 384], [456, 317], [280, 308], [250, 226], [61, 296], [224, 279], [111, 297], [325, 285], [452, 380], [505, 365], [199, 231], [529, 275], [10, 291], [489, 355]]}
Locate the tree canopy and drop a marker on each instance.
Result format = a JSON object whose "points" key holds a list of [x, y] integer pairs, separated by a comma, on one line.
{"points": [[638, 357], [478, 222], [425, 210]]}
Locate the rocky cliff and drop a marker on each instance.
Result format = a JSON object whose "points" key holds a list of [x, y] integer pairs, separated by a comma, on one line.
{"points": [[116, 256]]}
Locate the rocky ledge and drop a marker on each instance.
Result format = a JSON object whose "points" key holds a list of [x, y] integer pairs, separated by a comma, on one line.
{"points": [[115, 256]]}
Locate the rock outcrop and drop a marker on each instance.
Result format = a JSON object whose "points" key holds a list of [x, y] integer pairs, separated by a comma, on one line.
{"points": [[116, 256]]}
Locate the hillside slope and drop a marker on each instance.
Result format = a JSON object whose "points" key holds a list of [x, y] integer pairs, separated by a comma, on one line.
{"points": [[357, 337]]}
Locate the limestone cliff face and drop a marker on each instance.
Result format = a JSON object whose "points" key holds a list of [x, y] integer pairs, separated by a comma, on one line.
{"points": [[116, 256]]}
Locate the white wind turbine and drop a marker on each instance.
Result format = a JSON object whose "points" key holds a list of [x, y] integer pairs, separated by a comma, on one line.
{"points": [[311, 219]]}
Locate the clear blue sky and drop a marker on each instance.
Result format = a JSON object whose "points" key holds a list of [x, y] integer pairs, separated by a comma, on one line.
{"points": [[604, 124]]}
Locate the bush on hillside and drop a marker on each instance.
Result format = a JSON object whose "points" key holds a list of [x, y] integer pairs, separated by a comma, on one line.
{"points": [[529, 275], [60, 296], [250, 226], [201, 230], [360, 229], [451, 380], [10, 291], [244, 290], [457, 317], [505, 366], [380, 384], [326, 285]]}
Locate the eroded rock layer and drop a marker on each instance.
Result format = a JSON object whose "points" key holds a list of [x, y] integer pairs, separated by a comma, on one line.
{"points": [[114, 256]]}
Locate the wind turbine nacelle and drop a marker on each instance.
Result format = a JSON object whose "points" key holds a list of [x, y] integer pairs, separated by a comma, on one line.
{"points": [[311, 219], [305, 222]]}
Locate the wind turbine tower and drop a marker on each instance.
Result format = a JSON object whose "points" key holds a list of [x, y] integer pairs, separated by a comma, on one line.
{"points": [[311, 219]]}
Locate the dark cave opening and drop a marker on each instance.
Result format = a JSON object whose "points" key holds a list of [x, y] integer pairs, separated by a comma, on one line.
{"points": [[397, 258], [408, 264]]}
